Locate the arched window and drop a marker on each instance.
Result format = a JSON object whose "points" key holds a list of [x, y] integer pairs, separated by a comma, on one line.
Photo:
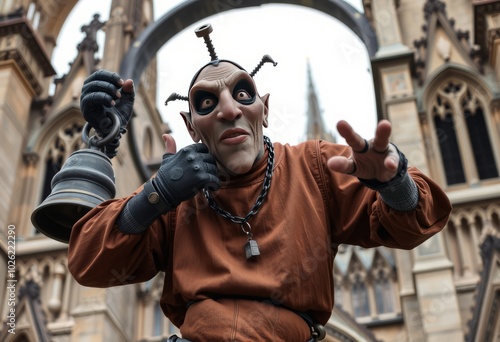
{"points": [[67, 140], [450, 153], [366, 284], [359, 290], [382, 284], [360, 300], [478, 135], [467, 154]]}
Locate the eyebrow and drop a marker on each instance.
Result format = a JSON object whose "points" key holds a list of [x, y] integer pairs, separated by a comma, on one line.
{"points": [[229, 80]]}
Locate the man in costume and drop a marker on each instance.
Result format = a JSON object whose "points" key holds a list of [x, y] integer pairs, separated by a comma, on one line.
{"points": [[246, 230]]}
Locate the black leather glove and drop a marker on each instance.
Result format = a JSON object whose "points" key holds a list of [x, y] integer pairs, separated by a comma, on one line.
{"points": [[183, 174], [180, 177], [98, 92]]}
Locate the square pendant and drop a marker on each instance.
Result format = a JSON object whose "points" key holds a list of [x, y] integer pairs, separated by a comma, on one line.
{"points": [[251, 249]]}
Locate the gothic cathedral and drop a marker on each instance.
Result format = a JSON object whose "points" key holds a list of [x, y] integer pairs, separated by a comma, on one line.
{"points": [[436, 76]]}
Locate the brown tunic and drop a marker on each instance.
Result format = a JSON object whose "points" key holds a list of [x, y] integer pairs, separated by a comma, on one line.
{"points": [[211, 291]]}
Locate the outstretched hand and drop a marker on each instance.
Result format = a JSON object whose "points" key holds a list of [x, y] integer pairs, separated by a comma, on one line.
{"points": [[370, 159]]}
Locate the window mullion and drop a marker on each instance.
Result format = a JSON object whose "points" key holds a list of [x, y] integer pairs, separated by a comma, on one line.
{"points": [[463, 141]]}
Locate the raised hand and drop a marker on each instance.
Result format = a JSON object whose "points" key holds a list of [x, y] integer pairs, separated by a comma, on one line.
{"points": [[183, 174], [370, 159], [101, 91]]}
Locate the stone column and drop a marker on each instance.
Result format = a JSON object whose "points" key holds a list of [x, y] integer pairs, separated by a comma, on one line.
{"points": [[23, 68], [24, 197], [117, 35], [386, 22], [398, 104], [493, 41], [436, 293]]}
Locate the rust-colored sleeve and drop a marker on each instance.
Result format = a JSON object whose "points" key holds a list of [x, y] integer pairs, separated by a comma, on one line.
{"points": [[359, 216], [407, 230], [100, 255]]}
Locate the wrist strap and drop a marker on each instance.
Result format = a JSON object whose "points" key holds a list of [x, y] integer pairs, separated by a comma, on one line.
{"points": [[401, 192], [142, 210]]}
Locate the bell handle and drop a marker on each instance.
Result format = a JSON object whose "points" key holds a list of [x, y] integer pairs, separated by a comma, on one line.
{"points": [[100, 143]]}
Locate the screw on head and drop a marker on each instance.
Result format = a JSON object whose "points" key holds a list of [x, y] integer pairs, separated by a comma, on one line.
{"points": [[265, 59], [204, 32]]}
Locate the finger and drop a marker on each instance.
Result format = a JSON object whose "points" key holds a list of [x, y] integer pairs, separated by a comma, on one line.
{"points": [[107, 76], [391, 162], [170, 145], [128, 86], [213, 183], [352, 138], [382, 134], [101, 86], [211, 168], [341, 164], [96, 99]]}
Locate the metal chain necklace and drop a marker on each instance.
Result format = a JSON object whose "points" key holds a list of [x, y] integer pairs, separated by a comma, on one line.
{"points": [[251, 247]]}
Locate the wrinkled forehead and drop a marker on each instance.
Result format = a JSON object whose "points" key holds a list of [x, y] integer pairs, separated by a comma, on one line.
{"points": [[218, 76], [215, 73], [212, 70]]}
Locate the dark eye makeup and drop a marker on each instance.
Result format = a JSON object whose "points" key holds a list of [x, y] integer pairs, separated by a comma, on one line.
{"points": [[244, 92], [205, 102]]}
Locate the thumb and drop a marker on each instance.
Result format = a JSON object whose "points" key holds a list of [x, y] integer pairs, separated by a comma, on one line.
{"points": [[128, 86], [127, 94], [170, 146]]}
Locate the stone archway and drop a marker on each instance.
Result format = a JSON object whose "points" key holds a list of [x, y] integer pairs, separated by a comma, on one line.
{"points": [[146, 46]]}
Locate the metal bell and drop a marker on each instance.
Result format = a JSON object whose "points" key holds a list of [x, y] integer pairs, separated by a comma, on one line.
{"points": [[85, 180]]}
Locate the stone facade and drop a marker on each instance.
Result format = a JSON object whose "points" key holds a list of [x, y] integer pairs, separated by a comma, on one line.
{"points": [[435, 68]]}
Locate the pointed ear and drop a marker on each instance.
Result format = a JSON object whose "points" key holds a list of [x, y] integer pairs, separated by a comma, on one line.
{"points": [[265, 100], [186, 116]]}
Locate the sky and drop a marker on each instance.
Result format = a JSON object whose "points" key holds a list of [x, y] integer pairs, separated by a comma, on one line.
{"points": [[292, 35]]}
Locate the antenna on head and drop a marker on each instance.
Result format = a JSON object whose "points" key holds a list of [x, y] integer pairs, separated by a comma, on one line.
{"points": [[175, 96], [204, 32], [265, 59]]}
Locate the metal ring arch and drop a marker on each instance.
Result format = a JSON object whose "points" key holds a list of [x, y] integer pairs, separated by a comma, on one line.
{"points": [[146, 46]]}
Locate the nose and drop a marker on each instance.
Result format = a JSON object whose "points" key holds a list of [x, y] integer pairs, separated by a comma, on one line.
{"points": [[228, 107]]}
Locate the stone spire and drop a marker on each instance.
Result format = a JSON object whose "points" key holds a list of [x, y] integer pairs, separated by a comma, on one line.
{"points": [[316, 128]]}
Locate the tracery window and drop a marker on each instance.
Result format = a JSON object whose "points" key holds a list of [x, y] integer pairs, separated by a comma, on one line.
{"points": [[67, 140], [478, 135], [382, 285], [360, 300], [466, 229], [359, 291], [462, 134], [366, 284]]}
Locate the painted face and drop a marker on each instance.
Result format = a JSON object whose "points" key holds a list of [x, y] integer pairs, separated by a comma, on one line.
{"points": [[228, 116]]}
